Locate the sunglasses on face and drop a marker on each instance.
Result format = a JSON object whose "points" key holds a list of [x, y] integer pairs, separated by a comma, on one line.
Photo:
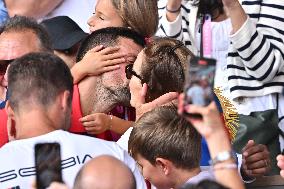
{"points": [[130, 72], [3, 65]]}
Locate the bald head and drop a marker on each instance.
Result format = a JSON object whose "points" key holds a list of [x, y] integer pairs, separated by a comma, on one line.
{"points": [[105, 172]]}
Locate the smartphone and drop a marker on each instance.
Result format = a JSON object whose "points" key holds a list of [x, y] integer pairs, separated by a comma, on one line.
{"points": [[199, 83], [48, 164]]}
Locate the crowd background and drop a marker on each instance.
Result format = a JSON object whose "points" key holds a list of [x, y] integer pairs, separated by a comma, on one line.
{"points": [[120, 78]]}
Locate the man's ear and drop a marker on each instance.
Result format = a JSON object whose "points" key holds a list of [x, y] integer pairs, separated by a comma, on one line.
{"points": [[9, 110], [65, 100], [165, 165]]}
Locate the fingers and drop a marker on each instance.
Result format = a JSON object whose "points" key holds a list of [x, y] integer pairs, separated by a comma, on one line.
{"points": [[256, 159], [114, 56], [110, 68], [113, 62], [164, 99], [280, 161], [90, 117], [96, 49], [257, 172], [109, 50], [255, 151], [248, 145], [262, 163], [89, 124]]}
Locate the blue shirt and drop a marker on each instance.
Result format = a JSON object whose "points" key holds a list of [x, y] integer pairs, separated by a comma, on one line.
{"points": [[3, 13]]}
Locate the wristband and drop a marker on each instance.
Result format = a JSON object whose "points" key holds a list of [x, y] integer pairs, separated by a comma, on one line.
{"points": [[225, 166], [222, 156], [173, 11]]}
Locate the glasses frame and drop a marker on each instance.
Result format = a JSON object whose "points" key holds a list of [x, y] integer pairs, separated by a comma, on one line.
{"points": [[129, 72]]}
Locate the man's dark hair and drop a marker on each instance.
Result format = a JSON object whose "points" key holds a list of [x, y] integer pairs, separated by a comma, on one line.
{"points": [[39, 78], [108, 37], [162, 133], [22, 24]]}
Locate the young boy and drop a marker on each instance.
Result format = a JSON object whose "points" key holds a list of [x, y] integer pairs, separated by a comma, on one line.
{"points": [[167, 148]]}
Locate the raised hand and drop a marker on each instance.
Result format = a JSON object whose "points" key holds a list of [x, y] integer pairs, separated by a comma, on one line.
{"points": [[142, 107], [97, 61], [255, 160]]}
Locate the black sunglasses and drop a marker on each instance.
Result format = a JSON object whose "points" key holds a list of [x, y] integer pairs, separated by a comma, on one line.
{"points": [[130, 72], [4, 64]]}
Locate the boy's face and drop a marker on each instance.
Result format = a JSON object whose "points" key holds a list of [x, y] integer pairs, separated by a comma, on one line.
{"points": [[155, 174]]}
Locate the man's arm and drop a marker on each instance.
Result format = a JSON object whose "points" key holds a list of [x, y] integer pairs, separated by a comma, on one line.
{"points": [[32, 8]]}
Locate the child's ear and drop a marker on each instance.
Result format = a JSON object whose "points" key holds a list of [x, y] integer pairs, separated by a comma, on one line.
{"points": [[165, 165]]}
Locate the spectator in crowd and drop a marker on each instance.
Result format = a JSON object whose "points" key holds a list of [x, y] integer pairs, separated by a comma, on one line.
{"points": [[20, 35], [167, 149], [280, 163], [212, 129], [132, 14], [79, 11], [105, 172], [65, 36], [42, 116]]}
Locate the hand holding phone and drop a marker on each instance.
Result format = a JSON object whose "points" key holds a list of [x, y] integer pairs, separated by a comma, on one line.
{"points": [[48, 164]]}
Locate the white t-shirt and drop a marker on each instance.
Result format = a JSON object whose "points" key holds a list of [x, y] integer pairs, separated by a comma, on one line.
{"points": [[78, 10], [17, 158], [123, 141]]}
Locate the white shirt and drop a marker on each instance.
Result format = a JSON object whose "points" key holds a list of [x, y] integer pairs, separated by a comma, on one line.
{"points": [[123, 141], [203, 175], [17, 158]]}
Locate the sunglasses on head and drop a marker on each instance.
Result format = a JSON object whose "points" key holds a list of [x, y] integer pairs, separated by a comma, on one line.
{"points": [[4, 64], [130, 72]]}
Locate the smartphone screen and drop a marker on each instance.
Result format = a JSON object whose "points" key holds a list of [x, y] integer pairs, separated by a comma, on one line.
{"points": [[199, 83], [48, 164]]}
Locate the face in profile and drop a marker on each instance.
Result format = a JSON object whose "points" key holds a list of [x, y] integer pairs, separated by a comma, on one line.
{"points": [[153, 173], [135, 84], [105, 15]]}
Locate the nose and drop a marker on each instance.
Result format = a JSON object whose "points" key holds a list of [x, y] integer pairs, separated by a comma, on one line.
{"points": [[91, 22]]}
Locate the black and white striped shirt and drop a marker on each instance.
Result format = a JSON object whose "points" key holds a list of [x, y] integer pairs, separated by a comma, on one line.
{"points": [[255, 62]]}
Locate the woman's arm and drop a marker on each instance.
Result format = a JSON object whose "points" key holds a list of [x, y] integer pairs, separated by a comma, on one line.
{"points": [[212, 129], [174, 24], [258, 39]]}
